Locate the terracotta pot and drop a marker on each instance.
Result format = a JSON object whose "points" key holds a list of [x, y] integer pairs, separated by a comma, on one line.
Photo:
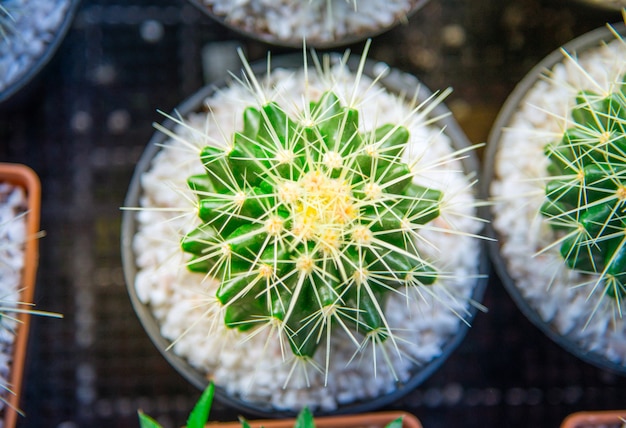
{"points": [[23, 176], [369, 420], [602, 418]]}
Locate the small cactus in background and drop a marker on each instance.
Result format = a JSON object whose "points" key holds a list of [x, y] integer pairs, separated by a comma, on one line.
{"points": [[586, 194]]}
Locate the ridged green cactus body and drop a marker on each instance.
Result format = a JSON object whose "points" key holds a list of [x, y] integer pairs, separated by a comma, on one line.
{"points": [[586, 197], [307, 222]]}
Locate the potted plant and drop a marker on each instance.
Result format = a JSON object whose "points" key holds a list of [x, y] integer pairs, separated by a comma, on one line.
{"points": [[30, 33], [323, 23], [596, 419], [557, 176], [19, 230], [306, 236], [200, 415]]}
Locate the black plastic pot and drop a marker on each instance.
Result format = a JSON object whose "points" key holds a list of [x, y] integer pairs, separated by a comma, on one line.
{"points": [[395, 81], [588, 41], [296, 40]]}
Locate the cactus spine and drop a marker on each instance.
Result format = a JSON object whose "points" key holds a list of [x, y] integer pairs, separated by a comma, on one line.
{"points": [[586, 195]]}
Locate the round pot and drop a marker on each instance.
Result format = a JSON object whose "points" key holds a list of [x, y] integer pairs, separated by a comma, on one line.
{"points": [[595, 419], [244, 24], [396, 82], [537, 298], [24, 76]]}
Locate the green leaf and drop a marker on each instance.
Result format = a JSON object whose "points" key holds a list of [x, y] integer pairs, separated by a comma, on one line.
{"points": [[200, 413], [244, 422], [146, 421], [305, 419], [396, 423]]}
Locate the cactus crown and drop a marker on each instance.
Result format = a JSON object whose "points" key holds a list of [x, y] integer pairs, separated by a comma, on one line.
{"points": [[586, 195], [307, 221]]}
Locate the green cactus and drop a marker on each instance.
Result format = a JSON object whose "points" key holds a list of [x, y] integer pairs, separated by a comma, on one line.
{"points": [[308, 221], [586, 195]]}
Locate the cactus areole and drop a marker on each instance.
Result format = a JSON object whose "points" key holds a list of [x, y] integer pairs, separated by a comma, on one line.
{"points": [[310, 221], [586, 196]]}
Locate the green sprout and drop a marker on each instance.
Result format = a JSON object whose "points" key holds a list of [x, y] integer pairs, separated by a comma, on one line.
{"points": [[199, 416]]}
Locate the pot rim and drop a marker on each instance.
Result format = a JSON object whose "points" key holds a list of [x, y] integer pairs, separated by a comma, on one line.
{"points": [[374, 420], [595, 417], [589, 40], [395, 81], [297, 43]]}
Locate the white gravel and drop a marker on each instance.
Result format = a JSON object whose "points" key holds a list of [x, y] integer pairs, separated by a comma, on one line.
{"points": [[320, 21], [28, 34], [560, 296], [249, 367], [12, 237]]}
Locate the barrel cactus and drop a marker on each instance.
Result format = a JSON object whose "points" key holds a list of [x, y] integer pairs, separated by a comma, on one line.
{"points": [[586, 193], [309, 222]]}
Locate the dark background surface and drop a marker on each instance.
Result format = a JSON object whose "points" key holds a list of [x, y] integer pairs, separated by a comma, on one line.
{"points": [[83, 123]]}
